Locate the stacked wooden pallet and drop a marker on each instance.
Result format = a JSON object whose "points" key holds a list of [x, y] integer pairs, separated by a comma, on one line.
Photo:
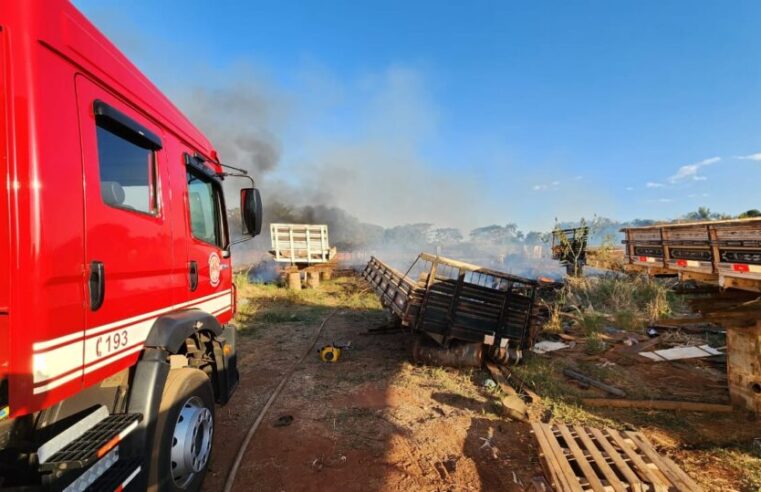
{"points": [[581, 459]]}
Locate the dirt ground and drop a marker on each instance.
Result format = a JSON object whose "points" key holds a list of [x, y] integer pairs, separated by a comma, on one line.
{"points": [[375, 421], [372, 421]]}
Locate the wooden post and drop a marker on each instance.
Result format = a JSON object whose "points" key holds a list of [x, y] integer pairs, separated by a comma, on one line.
{"points": [[294, 280], [313, 279], [744, 367], [290, 239], [713, 237], [326, 275]]}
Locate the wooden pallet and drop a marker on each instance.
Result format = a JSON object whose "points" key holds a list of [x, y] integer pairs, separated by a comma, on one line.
{"points": [[581, 459]]}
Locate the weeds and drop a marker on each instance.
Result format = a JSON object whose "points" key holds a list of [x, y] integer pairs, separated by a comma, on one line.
{"points": [[747, 466], [595, 344], [627, 302]]}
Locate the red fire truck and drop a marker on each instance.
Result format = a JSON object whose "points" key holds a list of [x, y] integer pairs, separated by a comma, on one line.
{"points": [[116, 291]]}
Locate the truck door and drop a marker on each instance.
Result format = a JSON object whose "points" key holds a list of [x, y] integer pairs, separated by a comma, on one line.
{"points": [[128, 240], [209, 266]]}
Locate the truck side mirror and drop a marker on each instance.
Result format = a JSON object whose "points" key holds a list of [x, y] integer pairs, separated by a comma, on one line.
{"points": [[251, 211]]}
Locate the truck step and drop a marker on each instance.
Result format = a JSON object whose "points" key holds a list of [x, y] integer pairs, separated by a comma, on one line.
{"points": [[93, 444], [118, 477], [110, 473]]}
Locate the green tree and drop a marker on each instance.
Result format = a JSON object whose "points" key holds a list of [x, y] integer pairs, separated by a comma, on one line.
{"points": [[754, 212]]}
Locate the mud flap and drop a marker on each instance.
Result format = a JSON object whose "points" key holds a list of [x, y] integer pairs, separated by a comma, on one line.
{"points": [[226, 359]]}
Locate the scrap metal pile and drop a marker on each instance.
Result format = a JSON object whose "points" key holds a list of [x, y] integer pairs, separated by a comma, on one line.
{"points": [[465, 308]]}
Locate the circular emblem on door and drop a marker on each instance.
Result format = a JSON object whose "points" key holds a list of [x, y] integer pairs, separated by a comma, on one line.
{"points": [[215, 267]]}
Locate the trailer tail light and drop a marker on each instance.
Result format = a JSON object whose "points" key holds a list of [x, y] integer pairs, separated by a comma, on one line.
{"points": [[739, 267], [643, 259], [681, 263]]}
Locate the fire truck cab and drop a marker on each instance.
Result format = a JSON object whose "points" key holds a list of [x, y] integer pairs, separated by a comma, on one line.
{"points": [[116, 292]]}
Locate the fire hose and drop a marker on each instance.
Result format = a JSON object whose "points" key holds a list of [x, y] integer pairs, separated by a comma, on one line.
{"points": [[252, 430]]}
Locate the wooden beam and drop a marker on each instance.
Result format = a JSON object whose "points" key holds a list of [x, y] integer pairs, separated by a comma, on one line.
{"points": [[688, 406]]}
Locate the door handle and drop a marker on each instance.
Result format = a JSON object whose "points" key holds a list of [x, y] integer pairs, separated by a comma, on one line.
{"points": [[97, 284], [193, 275]]}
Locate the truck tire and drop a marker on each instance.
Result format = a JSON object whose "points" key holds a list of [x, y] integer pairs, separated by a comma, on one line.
{"points": [[184, 431]]}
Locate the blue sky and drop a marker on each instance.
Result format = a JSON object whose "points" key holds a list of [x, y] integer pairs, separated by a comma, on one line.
{"points": [[471, 113]]}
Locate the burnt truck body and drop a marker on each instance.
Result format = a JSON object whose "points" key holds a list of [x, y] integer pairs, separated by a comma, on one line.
{"points": [[453, 302]]}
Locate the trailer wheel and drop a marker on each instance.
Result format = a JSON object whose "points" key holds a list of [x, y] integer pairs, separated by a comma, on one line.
{"points": [[184, 431]]}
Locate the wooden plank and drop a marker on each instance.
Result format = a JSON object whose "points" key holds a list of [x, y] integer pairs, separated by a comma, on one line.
{"points": [[600, 460], [634, 481], [523, 387], [571, 373], [657, 482], [548, 461], [581, 459], [677, 476], [559, 460], [689, 406]]}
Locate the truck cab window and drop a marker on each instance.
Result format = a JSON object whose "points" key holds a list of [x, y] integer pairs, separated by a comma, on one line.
{"points": [[127, 169], [205, 208]]}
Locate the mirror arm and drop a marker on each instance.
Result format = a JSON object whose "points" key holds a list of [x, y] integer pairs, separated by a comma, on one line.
{"points": [[238, 241], [239, 170], [235, 175]]}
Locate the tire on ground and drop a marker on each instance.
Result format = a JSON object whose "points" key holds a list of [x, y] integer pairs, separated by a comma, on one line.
{"points": [[188, 397]]}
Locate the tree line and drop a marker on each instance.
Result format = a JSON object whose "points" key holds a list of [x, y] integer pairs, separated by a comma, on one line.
{"points": [[348, 233]]}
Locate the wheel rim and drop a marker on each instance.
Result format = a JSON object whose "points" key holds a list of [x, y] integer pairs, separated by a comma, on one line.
{"points": [[191, 441]]}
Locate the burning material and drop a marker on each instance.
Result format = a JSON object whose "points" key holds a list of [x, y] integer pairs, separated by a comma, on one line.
{"points": [[454, 302]]}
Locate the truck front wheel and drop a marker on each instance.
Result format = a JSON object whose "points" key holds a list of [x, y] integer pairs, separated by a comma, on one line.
{"points": [[184, 431]]}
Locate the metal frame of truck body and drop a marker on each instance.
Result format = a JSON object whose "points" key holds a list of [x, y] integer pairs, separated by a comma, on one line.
{"points": [[300, 243], [727, 252], [454, 300]]}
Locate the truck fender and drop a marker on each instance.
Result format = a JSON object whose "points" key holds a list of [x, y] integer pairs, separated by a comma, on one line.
{"points": [[145, 398], [170, 331], [167, 336]]}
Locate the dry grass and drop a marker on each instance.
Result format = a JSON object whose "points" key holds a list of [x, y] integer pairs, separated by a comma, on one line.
{"points": [[628, 303], [265, 304]]}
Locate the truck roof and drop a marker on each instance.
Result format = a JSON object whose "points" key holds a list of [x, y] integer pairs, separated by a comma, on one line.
{"points": [[77, 39]]}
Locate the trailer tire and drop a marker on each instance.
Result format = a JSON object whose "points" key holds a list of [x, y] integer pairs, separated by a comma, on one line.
{"points": [[184, 431]]}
